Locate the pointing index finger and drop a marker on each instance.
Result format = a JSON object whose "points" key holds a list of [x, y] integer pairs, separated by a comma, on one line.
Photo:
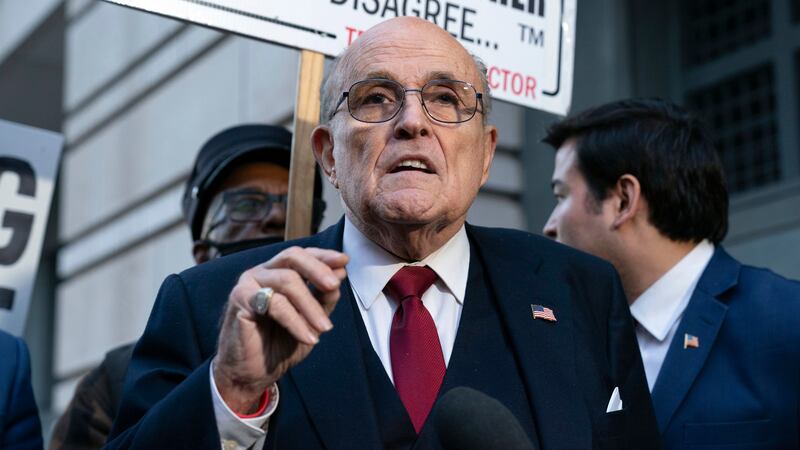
{"points": [[334, 259], [311, 265]]}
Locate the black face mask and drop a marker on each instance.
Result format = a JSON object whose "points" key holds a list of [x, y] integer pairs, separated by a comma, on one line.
{"points": [[226, 248]]}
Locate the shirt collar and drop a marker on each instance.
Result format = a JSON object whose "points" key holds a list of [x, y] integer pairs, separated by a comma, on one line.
{"points": [[370, 266], [663, 303]]}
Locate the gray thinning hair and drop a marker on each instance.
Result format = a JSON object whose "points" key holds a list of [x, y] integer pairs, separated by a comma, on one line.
{"points": [[333, 86]]}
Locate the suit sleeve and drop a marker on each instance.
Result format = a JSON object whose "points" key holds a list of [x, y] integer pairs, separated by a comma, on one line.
{"points": [[166, 401], [87, 420], [628, 371], [21, 429]]}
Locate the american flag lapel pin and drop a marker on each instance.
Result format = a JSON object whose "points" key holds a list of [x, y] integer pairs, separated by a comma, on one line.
{"points": [[542, 312], [690, 341]]}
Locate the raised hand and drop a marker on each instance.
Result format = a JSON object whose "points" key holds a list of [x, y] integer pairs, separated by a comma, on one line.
{"points": [[255, 350]]}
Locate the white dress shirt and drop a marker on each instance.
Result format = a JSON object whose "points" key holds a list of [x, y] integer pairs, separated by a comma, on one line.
{"points": [[369, 269], [658, 311]]}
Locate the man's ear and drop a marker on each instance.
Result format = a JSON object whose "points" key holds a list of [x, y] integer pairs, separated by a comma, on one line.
{"points": [[201, 251], [322, 145], [489, 146], [628, 200]]}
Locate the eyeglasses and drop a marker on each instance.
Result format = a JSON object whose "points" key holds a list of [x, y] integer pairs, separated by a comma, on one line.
{"points": [[249, 205], [246, 205], [376, 100]]}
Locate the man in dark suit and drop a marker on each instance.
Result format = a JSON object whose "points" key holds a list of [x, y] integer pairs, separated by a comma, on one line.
{"points": [[639, 183], [308, 355], [20, 428]]}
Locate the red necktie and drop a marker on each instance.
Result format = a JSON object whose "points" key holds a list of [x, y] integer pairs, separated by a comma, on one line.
{"points": [[417, 361]]}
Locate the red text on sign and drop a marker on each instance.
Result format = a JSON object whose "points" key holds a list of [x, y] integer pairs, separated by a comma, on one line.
{"points": [[505, 80], [352, 33]]}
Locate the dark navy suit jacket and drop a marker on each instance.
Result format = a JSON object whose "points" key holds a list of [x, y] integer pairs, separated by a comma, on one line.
{"points": [[19, 418], [741, 387], [568, 368]]}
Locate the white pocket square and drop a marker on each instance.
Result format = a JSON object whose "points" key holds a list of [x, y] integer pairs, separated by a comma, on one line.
{"points": [[615, 403]]}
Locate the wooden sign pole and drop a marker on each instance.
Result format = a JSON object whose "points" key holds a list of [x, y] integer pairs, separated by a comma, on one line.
{"points": [[301, 169]]}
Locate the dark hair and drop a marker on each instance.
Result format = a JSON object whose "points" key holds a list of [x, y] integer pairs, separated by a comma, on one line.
{"points": [[668, 150]]}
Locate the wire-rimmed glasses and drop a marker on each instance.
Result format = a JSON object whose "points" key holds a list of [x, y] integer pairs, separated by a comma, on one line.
{"points": [[376, 100]]}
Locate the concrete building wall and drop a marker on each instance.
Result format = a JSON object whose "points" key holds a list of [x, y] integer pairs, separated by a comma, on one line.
{"points": [[19, 19], [765, 228]]}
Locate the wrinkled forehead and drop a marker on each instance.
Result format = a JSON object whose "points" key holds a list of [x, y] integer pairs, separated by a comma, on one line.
{"points": [[411, 56]]}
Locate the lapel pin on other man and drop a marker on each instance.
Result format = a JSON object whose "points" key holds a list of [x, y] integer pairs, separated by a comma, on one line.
{"points": [[690, 341]]}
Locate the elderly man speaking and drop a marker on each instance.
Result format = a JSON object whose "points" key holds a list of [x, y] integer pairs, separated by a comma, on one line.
{"points": [[345, 340]]}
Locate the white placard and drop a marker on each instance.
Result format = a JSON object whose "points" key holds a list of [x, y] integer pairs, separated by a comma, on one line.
{"points": [[528, 45], [28, 166]]}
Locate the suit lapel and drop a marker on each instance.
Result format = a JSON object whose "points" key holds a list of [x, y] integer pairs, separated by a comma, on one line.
{"points": [[332, 379], [545, 350], [703, 318]]}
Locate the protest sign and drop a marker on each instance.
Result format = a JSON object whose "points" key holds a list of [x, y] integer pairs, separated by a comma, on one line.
{"points": [[28, 166], [528, 45]]}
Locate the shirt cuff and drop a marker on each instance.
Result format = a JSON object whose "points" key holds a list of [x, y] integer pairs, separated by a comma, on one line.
{"points": [[237, 433]]}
